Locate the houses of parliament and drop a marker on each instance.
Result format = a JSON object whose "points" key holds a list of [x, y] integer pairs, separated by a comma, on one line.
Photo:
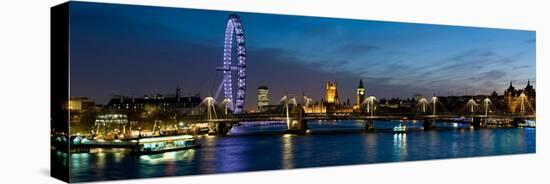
{"points": [[517, 99]]}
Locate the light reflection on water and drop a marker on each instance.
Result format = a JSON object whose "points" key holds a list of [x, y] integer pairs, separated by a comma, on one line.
{"points": [[400, 146], [207, 166], [288, 159], [168, 157], [245, 150]]}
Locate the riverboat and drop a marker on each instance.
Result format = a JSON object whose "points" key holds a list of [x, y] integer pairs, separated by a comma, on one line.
{"points": [[400, 128], [154, 145]]}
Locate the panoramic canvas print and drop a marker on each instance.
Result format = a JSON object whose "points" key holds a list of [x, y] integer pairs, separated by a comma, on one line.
{"points": [[142, 91]]}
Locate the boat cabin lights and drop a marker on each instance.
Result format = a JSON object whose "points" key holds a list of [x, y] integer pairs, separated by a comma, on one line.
{"points": [[156, 139]]}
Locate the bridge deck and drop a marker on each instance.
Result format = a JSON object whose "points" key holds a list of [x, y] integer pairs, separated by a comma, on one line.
{"points": [[347, 116]]}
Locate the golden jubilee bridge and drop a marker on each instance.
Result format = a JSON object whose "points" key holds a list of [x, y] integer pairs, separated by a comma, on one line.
{"points": [[479, 114], [296, 119]]}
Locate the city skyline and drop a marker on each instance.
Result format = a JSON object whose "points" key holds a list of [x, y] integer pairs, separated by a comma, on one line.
{"points": [[141, 92], [132, 50]]}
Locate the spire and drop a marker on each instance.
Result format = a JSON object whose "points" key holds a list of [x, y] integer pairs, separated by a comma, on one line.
{"points": [[361, 84], [528, 82], [511, 89]]}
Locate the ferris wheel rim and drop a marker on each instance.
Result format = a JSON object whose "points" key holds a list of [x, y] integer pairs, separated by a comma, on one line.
{"points": [[234, 27]]}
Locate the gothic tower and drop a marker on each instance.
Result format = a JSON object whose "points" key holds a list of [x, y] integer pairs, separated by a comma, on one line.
{"points": [[360, 94], [331, 93]]}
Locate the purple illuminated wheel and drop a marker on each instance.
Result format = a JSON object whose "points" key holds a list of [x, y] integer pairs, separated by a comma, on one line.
{"points": [[234, 27]]}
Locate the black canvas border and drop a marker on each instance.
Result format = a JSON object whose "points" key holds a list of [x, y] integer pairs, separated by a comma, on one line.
{"points": [[59, 89]]}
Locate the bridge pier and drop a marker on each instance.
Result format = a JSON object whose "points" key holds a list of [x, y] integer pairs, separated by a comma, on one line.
{"points": [[297, 124], [221, 128], [298, 127], [428, 124], [478, 122], [369, 125]]}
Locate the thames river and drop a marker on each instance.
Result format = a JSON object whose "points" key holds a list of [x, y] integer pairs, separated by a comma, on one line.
{"points": [[329, 143]]}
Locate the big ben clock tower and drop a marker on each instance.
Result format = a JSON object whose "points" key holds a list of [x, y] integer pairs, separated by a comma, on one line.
{"points": [[360, 94]]}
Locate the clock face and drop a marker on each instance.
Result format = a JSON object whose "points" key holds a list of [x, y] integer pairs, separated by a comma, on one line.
{"points": [[361, 92]]}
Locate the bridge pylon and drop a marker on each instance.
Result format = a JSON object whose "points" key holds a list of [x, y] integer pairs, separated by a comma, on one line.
{"points": [[297, 124]]}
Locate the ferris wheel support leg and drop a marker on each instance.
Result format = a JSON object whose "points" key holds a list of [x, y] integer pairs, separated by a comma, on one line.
{"points": [[219, 90]]}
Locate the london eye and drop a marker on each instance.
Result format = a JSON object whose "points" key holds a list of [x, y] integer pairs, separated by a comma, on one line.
{"points": [[234, 29]]}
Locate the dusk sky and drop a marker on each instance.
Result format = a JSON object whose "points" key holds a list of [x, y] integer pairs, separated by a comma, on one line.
{"points": [[138, 50]]}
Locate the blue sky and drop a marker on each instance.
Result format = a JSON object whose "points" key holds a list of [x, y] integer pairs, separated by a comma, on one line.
{"points": [[137, 50]]}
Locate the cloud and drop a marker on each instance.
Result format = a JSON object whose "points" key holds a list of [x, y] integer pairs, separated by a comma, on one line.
{"points": [[354, 49], [521, 67], [488, 76], [472, 54], [317, 30], [152, 53], [467, 62]]}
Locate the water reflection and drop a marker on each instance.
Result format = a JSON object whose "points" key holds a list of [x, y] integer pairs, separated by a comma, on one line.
{"points": [[370, 145], [400, 145], [80, 160], [487, 141], [101, 159], [232, 156], [245, 152], [208, 154], [288, 149], [432, 148], [119, 154], [168, 157]]}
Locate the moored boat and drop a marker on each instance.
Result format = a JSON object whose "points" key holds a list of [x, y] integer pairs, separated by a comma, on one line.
{"points": [[400, 128], [154, 145], [528, 124]]}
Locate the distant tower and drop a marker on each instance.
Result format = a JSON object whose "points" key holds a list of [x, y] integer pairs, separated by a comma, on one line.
{"points": [[510, 96], [529, 91], [510, 89], [263, 97], [360, 94], [331, 93], [178, 93]]}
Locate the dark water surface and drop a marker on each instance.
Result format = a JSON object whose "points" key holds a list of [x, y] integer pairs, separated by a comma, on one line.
{"points": [[253, 148]]}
